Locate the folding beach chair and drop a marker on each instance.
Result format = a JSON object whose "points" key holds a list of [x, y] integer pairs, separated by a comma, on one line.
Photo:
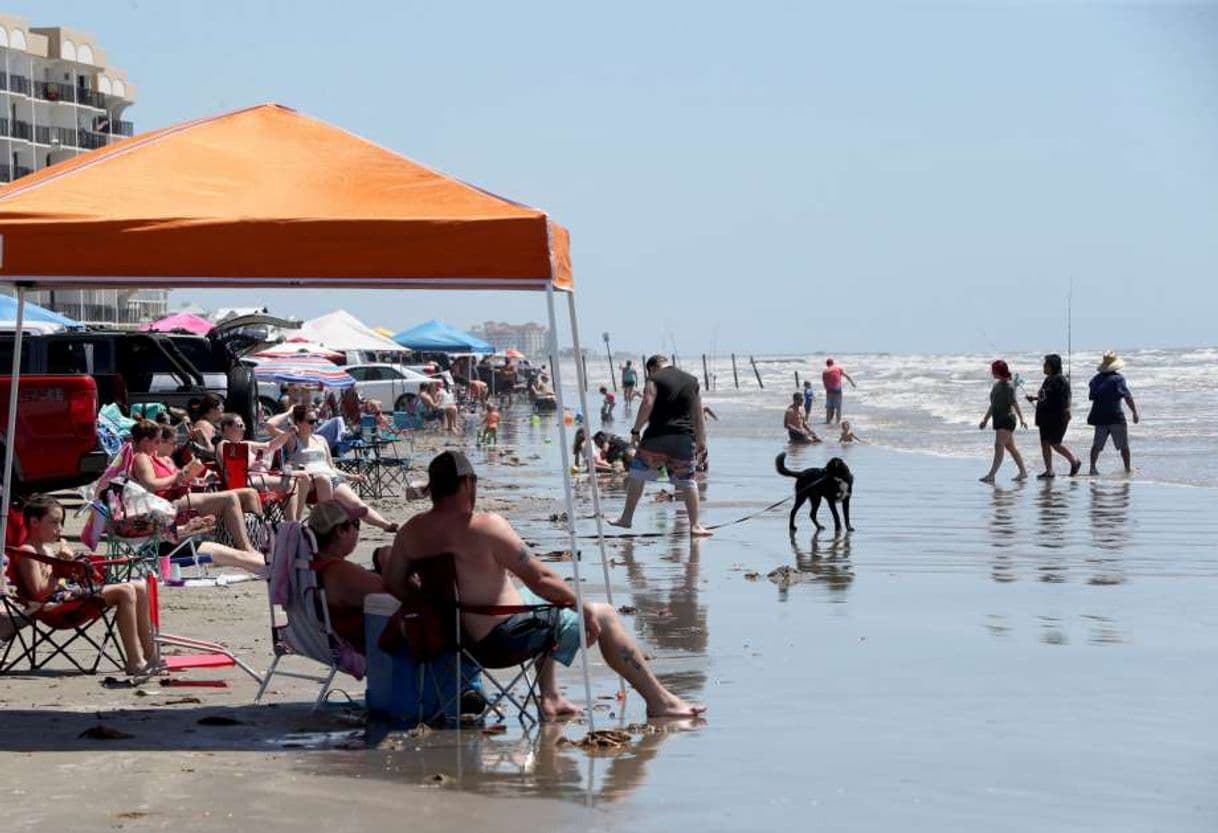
{"points": [[139, 538], [428, 625], [234, 471], [302, 626], [38, 631], [209, 654]]}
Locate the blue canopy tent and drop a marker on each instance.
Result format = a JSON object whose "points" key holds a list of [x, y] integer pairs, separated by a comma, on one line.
{"points": [[437, 337], [40, 317]]}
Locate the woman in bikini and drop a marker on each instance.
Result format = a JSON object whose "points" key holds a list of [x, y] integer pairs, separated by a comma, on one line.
{"points": [[310, 454]]}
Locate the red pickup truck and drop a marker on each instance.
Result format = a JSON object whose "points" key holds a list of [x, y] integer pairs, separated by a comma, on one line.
{"points": [[56, 432]]}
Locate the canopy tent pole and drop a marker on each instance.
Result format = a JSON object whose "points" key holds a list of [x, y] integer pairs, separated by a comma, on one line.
{"points": [[583, 404], [569, 494], [10, 431]]}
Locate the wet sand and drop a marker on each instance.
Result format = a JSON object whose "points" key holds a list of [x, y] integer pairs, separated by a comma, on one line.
{"points": [[1002, 658]]}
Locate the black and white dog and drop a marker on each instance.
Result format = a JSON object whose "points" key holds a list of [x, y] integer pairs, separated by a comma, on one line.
{"points": [[834, 483]]}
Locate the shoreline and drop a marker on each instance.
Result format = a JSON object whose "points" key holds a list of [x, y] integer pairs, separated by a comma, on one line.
{"points": [[912, 673]]}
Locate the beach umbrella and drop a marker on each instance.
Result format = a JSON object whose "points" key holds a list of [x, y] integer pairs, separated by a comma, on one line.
{"points": [[288, 370], [513, 353], [186, 321], [45, 319], [300, 350], [383, 331]]}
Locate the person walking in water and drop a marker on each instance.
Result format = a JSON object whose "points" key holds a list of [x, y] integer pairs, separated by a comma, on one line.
{"points": [[1107, 390], [630, 378], [832, 379], [675, 439], [808, 397], [1053, 415], [1004, 408]]}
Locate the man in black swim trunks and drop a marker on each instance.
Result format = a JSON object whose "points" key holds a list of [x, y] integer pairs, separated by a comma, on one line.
{"points": [[675, 438]]}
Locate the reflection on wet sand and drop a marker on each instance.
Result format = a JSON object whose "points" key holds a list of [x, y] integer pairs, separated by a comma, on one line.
{"points": [[1002, 521], [667, 613], [535, 762], [1111, 531], [826, 560], [1053, 506]]}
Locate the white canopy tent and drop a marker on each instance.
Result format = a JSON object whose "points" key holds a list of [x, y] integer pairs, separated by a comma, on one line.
{"points": [[342, 331]]}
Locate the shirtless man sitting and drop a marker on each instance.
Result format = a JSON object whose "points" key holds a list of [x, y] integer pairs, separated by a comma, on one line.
{"points": [[796, 423], [486, 550]]}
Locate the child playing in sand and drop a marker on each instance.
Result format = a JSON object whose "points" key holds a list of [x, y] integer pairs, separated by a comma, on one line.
{"points": [[44, 524], [490, 426], [608, 403], [848, 436]]}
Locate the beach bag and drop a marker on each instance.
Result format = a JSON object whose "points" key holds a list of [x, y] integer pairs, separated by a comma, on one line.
{"points": [[424, 624], [140, 502]]}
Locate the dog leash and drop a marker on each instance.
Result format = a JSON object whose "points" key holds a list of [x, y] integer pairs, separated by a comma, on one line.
{"points": [[725, 524]]}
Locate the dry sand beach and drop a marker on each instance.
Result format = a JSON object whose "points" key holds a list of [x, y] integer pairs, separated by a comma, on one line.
{"points": [[1036, 656]]}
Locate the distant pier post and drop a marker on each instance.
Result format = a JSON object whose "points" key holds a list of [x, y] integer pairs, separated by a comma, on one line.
{"points": [[705, 373], [756, 373], [735, 375]]}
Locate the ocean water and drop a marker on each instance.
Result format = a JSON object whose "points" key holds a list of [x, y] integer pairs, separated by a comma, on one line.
{"points": [[932, 404]]}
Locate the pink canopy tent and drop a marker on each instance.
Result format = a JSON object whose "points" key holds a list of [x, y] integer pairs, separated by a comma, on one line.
{"points": [[187, 321]]}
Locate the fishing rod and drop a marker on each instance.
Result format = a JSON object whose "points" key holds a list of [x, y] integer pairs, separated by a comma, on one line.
{"points": [[1069, 329]]}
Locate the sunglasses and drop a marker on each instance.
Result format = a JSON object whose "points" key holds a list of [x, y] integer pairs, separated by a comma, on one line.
{"points": [[312, 421]]}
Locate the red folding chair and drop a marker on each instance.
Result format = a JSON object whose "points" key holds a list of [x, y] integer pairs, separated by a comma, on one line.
{"points": [[209, 654], [234, 470], [42, 630]]}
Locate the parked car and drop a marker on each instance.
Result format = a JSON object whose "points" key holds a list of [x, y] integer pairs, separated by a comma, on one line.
{"points": [[391, 384]]}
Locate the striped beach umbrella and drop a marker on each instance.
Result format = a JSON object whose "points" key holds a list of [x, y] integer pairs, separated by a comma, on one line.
{"points": [[303, 371]]}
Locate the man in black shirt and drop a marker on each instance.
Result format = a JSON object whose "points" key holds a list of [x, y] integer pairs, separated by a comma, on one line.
{"points": [[1053, 415], [675, 438]]}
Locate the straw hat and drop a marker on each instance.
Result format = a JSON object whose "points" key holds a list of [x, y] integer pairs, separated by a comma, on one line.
{"points": [[1110, 362]]}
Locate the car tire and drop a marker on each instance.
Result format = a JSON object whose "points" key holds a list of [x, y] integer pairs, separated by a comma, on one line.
{"points": [[242, 397]]}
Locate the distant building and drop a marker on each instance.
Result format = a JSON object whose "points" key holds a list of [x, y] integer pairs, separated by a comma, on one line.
{"points": [[62, 98], [531, 339]]}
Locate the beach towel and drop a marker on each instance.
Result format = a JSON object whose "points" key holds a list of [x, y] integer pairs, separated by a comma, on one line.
{"points": [[307, 632]]}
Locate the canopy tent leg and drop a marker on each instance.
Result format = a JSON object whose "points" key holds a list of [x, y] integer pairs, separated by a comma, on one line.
{"points": [[583, 404], [569, 495], [10, 431]]}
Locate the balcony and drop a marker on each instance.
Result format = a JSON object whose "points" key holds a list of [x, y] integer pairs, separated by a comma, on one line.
{"points": [[22, 130], [50, 135], [92, 141], [124, 128], [19, 172], [5, 173], [54, 91], [19, 84]]}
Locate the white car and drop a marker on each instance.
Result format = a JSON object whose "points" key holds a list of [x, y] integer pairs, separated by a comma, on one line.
{"points": [[390, 384]]}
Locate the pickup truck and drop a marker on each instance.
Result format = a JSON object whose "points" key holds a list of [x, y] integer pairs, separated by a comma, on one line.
{"points": [[56, 444]]}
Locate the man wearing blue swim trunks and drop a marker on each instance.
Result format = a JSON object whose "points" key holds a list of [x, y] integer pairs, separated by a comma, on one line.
{"points": [[487, 552]]}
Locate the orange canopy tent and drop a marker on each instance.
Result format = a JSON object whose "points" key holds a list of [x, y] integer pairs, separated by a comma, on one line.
{"points": [[268, 195]]}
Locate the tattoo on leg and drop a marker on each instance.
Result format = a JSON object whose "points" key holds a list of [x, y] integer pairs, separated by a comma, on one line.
{"points": [[629, 659]]}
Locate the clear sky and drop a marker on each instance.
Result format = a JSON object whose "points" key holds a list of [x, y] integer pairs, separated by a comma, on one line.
{"points": [[760, 177]]}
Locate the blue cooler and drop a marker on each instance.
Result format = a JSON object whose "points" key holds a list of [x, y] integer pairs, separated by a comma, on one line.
{"points": [[393, 679]]}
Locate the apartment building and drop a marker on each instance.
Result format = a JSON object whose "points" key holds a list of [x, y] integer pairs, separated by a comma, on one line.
{"points": [[61, 97], [530, 339]]}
